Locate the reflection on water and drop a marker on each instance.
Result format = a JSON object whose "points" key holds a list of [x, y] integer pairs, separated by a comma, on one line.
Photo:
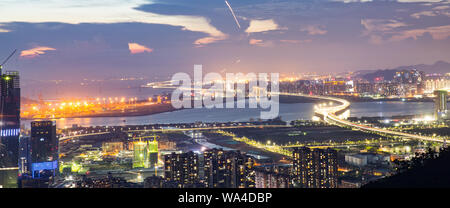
{"points": [[288, 112], [387, 109]]}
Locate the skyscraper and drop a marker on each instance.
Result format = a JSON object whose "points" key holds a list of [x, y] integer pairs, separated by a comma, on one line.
{"points": [[153, 153], [145, 154], [228, 169], [24, 155], [273, 176], [182, 168], [43, 149], [440, 104], [140, 150], [315, 168], [9, 127]]}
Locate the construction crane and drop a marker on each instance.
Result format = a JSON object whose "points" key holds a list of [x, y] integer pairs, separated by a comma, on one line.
{"points": [[146, 137], [6, 60]]}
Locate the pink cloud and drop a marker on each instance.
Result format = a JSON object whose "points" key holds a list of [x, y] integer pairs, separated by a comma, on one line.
{"points": [[34, 52], [210, 39], [255, 41], [137, 48], [262, 43]]}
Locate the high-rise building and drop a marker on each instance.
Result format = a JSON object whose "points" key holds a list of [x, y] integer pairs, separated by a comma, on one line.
{"points": [[111, 148], [140, 158], [145, 154], [364, 87], [315, 168], [216, 174], [409, 76], [440, 104], [333, 87], [24, 155], [228, 169], [411, 82], [39, 155], [9, 128], [272, 177], [182, 168], [437, 82], [43, 149], [153, 153]]}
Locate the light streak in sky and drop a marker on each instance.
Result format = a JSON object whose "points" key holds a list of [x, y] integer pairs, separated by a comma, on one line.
{"points": [[232, 12]]}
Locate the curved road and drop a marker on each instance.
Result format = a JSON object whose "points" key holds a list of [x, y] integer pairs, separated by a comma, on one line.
{"points": [[329, 114]]}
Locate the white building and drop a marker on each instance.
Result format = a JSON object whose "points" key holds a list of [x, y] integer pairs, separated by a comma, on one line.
{"points": [[356, 160]]}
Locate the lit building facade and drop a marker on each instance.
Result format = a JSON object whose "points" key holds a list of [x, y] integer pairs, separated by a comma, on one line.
{"points": [[272, 177], [9, 128], [153, 153], [334, 87], [440, 104], [228, 169], [182, 168], [24, 155], [315, 168], [112, 147], [145, 154], [433, 83], [364, 87], [44, 149], [409, 76], [140, 155]]}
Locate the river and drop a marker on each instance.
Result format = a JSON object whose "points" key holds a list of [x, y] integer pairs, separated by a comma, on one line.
{"points": [[288, 112]]}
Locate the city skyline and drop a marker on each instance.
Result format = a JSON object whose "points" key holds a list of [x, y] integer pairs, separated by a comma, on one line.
{"points": [[74, 40], [224, 94]]}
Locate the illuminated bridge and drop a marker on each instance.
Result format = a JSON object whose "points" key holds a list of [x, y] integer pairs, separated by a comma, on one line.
{"points": [[72, 136], [330, 114]]}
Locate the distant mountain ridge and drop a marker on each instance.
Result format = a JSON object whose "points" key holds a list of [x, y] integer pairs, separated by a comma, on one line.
{"points": [[440, 67]]}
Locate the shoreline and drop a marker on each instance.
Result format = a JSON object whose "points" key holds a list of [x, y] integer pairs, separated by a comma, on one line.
{"points": [[165, 108], [140, 111]]}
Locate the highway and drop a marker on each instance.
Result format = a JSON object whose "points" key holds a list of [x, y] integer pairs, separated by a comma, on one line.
{"points": [[340, 145], [176, 129], [207, 128], [329, 115], [328, 112], [81, 135]]}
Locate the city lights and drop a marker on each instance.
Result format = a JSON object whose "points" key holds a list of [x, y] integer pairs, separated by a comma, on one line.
{"points": [[224, 95]]}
